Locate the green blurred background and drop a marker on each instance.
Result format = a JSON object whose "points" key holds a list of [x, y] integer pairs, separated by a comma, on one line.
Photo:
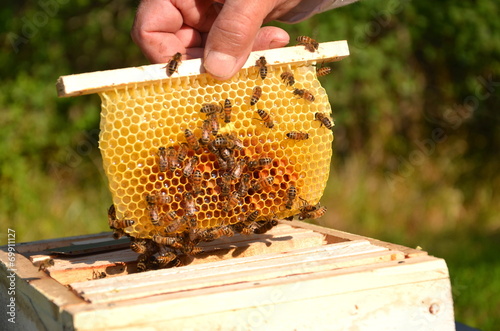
{"points": [[417, 138]]}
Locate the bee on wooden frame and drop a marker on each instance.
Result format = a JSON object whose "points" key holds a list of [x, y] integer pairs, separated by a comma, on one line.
{"points": [[310, 44], [98, 274], [262, 64], [173, 64], [44, 264]]}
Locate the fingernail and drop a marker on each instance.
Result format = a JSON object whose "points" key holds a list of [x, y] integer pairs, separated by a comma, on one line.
{"points": [[220, 65]]}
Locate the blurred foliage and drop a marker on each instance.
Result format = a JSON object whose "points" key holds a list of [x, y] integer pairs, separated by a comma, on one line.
{"points": [[415, 107]]}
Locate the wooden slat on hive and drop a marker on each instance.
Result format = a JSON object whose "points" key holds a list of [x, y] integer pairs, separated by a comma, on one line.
{"points": [[250, 269], [389, 293], [281, 238], [334, 236], [94, 82], [32, 288], [29, 248]]}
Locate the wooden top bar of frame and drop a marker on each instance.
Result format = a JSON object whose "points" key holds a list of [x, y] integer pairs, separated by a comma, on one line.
{"points": [[94, 82]]}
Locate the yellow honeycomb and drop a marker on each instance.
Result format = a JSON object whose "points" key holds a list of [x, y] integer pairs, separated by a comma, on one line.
{"points": [[137, 120]]}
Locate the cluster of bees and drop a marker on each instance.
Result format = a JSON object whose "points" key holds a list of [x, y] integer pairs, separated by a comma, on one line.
{"points": [[239, 176]]}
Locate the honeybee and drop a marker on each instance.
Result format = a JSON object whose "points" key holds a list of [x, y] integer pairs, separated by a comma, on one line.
{"points": [[215, 233], [324, 120], [263, 183], [205, 132], [121, 224], [44, 264], [227, 155], [139, 246], [232, 201], [288, 78], [316, 213], [306, 207], [214, 124], [153, 215], [262, 64], [172, 159], [250, 228], [225, 187], [266, 225], [190, 165], [210, 108], [116, 224], [235, 143], [165, 258], [252, 216], [163, 160], [143, 262], [309, 211], [173, 64], [244, 185], [183, 152], [204, 235], [266, 118], [174, 221], [310, 44], [297, 135], [291, 194], [189, 204], [223, 164], [192, 250], [323, 71], [256, 94], [174, 242], [158, 198], [196, 178], [192, 223], [228, 107], [261, 163], [118, 233], [111, 215], [221, 142], [237, 169], [304, 94], [222, 231], [191, 140], [98, 275]]}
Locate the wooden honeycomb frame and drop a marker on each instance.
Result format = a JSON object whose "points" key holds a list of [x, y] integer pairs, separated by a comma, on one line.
{"points": [[143, 110]]}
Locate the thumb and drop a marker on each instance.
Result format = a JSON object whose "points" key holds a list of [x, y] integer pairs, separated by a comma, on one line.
{"points": [[232, 35]]}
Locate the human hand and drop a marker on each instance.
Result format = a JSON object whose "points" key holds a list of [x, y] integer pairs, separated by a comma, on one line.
{"points": [[224, 34]]}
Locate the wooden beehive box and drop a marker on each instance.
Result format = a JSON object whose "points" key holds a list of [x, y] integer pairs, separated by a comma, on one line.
{"points": [[298, 276]]}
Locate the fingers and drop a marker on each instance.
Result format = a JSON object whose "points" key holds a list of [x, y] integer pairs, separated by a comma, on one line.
{"points": [[232, 35]]}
